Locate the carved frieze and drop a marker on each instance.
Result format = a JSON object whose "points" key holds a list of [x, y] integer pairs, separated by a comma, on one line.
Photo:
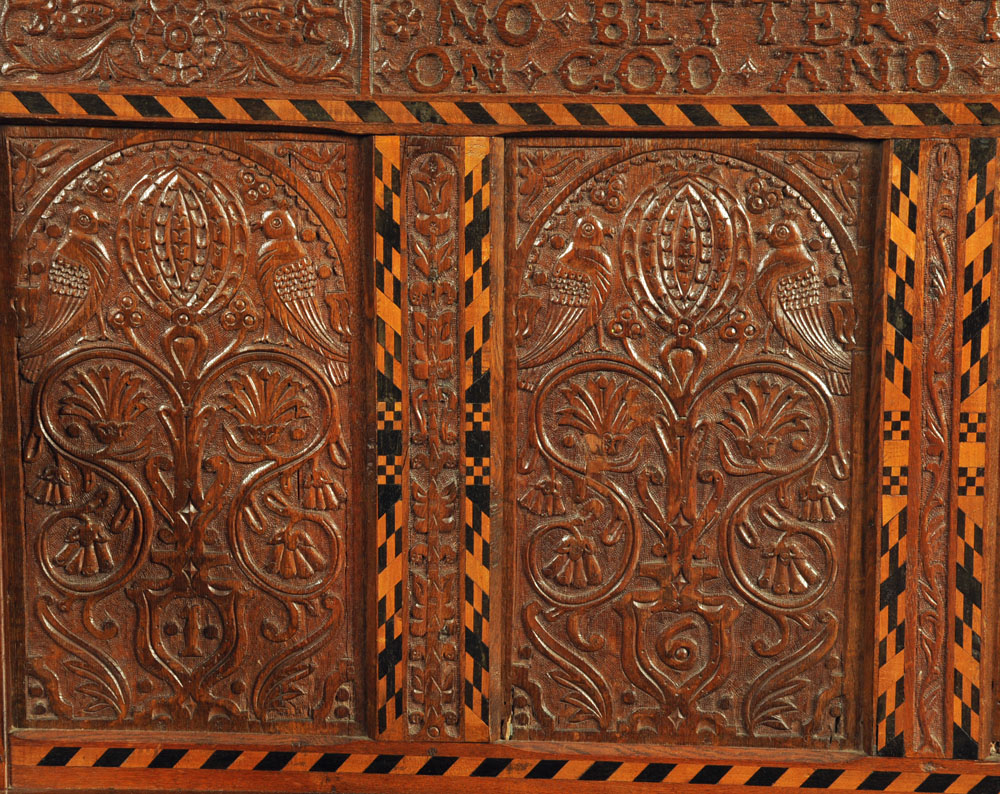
{"points": [[204, 45], [626, 48]]}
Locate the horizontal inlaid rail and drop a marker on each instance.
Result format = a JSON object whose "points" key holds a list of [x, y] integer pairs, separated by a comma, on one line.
{"points": [[497, 115]]}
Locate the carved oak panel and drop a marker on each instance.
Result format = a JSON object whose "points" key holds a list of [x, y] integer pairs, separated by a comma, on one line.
{"points": [[618, 48], [204, 45], [191, 365], [688, 332]]}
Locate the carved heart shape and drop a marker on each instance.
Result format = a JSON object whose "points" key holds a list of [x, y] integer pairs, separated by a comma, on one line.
{"points": [[683, 361]]}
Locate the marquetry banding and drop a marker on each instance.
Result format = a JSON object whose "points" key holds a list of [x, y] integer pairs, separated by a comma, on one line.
{"points": [[900, 295], [568, 114], [391, 432]]}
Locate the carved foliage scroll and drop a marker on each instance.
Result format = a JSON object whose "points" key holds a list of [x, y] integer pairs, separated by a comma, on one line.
{"points": [[690, 358], [187, 321], [433, 196], [936, 439], [182, 43]]}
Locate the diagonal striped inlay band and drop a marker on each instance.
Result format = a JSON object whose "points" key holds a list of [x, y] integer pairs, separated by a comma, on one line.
{"points": [[31, 760], [675, 114]]}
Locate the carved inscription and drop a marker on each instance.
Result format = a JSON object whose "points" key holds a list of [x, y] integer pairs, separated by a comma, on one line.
{"points": [[186, 327], [676, 47], [181, 43], [689, 353]]}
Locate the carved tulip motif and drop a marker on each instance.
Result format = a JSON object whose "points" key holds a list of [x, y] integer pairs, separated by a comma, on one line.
{"points": [[761, 416], [107, 399], [575, 563], [86, 551], [267, 405], [788, 569]]}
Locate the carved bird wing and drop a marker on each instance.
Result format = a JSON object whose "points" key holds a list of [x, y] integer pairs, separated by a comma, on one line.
{"points": [[560, 327], [579, 285], [290, 295], [68, 285], [801, 321]]}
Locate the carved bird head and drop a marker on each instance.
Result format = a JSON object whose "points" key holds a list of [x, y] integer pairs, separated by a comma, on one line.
{"points": [[84, 220], [784, 234], [588, 231], [277, 224]]}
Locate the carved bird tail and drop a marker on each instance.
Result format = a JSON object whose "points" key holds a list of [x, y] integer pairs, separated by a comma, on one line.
{"points": [[31, 367], [337, 372], [839, 382]]}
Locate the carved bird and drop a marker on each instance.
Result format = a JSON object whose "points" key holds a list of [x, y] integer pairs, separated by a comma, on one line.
{"points": [[288, 280], [789, 287], [578, 287], [70, 291]]}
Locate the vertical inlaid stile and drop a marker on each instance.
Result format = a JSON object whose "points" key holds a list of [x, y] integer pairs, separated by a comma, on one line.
{"points": [[897, 390], [477, 347], [972, 487], [391, 430]]}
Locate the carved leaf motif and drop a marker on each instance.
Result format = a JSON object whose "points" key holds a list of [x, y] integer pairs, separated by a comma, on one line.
{"points": [[434, 347], [602, 411], [31, 160], [433, 197], [266, 404], [773, 697], [74, 20], [325, 164], [100, 680], [837, 172], [539, 169], [435, 507], [761, 416]]}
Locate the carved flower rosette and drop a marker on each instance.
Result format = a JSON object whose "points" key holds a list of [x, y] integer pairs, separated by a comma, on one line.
{"points": [[685, 360]]}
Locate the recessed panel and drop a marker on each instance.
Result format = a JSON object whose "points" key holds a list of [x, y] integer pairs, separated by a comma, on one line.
{"points": [[189, 396], [688, 326]]}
